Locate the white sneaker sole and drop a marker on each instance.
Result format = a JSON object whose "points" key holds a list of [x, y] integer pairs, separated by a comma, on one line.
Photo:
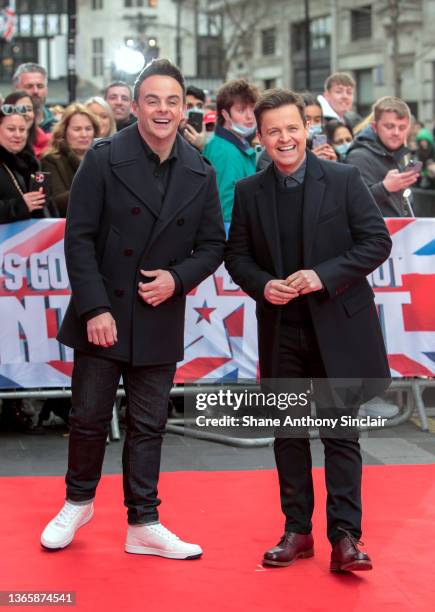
{"points": [[145, 550], [65, 543]]}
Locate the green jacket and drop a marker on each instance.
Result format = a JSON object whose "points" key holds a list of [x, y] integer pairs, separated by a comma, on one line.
{"points": [[232, 161]]}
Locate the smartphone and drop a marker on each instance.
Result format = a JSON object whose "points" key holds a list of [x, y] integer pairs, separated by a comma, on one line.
{"points": [[319, 140], [413, 165], [38, 180], [195, 119]]}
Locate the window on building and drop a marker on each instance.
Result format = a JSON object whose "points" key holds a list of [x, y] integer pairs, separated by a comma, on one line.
{"points": [[320, 34], [97, 5], [41, 6], [97, 57], [140, 3], [209, 57], [361, 23], [364, 91], [268, 40], [269, 83]]}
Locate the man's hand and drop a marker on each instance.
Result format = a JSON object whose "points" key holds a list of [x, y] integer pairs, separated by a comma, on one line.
{"points": [[102, 330], [158, 290], [304, 281], [325, 151], [279, 293], [34, 200], [397, 181], [197, 139]]}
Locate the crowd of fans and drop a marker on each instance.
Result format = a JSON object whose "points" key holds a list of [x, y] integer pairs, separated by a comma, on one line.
{"points": [[44, 146]]}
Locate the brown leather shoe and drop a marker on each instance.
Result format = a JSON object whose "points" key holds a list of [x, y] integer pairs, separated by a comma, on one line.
{"points": [[291, 546], [347, 557]]}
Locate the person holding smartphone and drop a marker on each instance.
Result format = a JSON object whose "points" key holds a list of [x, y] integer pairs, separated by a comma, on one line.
{"points": [[380, 151], [193, 127]]}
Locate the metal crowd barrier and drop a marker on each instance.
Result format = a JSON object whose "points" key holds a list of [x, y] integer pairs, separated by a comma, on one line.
{"points": [[413, 387]]}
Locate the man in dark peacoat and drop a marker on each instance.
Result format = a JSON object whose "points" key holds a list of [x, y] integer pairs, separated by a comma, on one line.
{"points": [[304, 235], [144, 227]]}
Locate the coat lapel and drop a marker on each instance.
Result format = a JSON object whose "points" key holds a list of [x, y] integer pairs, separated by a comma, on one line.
{"points": [[314, 190], [129, 164], [266, 204]]}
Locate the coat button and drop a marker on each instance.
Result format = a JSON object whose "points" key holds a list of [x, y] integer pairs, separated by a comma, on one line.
{"points": [[119, 292], [172, 262], [180, 221], [128, 252], [135, 210]]}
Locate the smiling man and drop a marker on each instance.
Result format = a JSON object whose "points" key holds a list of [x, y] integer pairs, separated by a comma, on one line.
{"points": [[118, 97], [144, 227], [337, 99], [305, 233]]}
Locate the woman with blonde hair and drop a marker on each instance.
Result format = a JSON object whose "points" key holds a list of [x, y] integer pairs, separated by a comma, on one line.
{"points": [[103, 111], [72, 137]]}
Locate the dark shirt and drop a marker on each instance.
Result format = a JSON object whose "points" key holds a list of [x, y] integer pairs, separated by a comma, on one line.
{"points": [[123, 123], [289, 181]]}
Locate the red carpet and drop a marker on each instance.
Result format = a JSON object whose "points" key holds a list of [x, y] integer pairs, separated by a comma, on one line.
{"points": [[235, 516]]}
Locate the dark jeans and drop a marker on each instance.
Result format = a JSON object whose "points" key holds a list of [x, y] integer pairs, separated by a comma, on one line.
{"points": [[300, 358], [94, 384]]}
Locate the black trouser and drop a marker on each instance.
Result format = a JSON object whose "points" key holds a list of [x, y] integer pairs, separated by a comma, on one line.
{"points": [[300, 358], [94, 384]]}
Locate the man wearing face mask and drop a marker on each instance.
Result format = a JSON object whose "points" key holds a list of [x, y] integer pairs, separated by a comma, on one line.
{"points": [[230, 151]]}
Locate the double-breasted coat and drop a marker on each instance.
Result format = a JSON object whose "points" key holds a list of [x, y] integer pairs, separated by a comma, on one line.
{"points": [[114, 228], [344, 239]]}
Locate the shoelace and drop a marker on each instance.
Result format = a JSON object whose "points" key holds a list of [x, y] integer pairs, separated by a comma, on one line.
{"points": [[160, 530], [67, 515], [353, 540]]}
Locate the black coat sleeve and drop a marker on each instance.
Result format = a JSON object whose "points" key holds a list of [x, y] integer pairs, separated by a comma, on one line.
{"points": [[371, 240], [239, 259], [82, 228]]}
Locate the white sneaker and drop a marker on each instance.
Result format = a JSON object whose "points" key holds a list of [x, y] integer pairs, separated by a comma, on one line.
{"points": [[155, 539], [378, 407], [60, 531]]}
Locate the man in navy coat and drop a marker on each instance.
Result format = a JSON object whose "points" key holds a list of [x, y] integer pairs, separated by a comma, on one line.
{"points": [[144, 227], [304, 235]]}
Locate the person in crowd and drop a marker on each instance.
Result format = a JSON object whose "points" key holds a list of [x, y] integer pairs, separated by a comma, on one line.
{"points": [[139, 237], [363, 124], [118, 96], [37, 139], [32, 78], [72, 137], [17, 164], [195, 101], [18, 202], [337, 99], [230, 151], [340, 137], [414, 128], [379, 152], [103, 111], [426, 154], [57, 110], [315, 127], [304, 235], [210, 118]]}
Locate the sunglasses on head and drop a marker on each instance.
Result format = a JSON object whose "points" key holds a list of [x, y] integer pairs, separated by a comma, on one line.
{"points": [[21, 109]]}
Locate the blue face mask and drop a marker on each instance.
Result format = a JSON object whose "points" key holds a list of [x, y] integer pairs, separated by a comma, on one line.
{"points": [[313, 130], [242, 130], [343, 148]]}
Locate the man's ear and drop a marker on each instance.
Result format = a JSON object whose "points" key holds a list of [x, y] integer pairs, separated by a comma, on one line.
{"points": [[260, 140], [373, 124], [134, 107]]}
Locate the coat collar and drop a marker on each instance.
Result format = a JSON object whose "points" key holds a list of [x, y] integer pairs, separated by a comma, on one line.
{"points": [[129, 164], [314, 189]]}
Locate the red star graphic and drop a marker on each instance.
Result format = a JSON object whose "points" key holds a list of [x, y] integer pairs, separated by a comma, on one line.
{"points": [[204, 312]]}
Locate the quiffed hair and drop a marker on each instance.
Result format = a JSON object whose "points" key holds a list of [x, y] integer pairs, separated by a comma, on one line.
{"points": [[158, 67], [234, 91], [196, 92], [275, 98], [390, 104], [339, 78]]}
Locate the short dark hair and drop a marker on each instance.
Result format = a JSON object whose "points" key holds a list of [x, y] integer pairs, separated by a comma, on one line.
{"points": [[309, 99], [275, 98], [234, 91], [339, 78], [196, 92], [158, 67], [332, 126], [116, 84]]}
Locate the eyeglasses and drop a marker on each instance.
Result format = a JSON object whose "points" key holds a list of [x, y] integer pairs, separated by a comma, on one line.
{"points": [[21, 109]]}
